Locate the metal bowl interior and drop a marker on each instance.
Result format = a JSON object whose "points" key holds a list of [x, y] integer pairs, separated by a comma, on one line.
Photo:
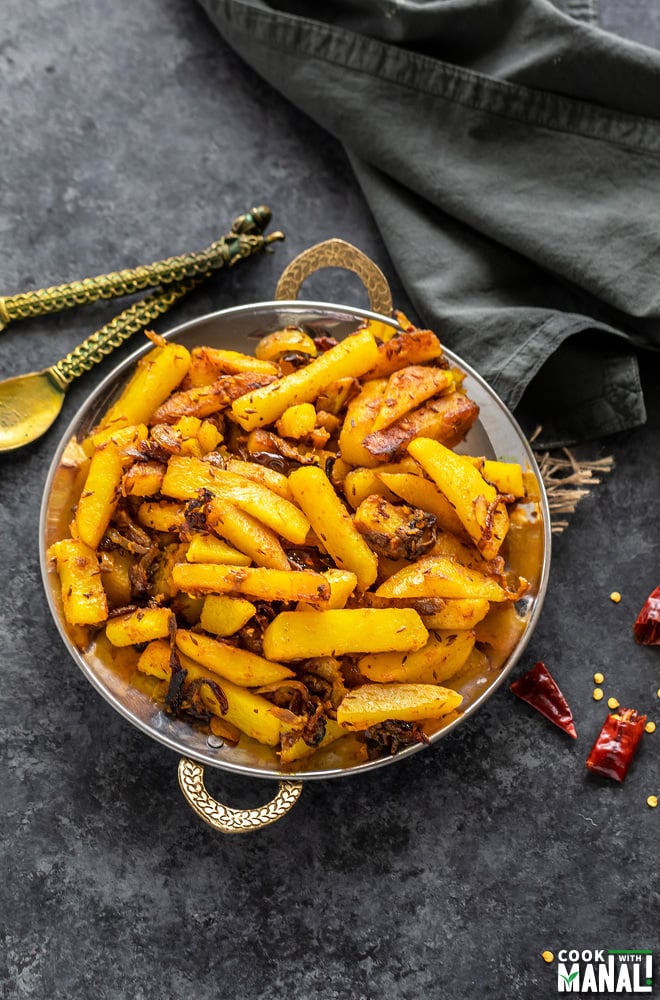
{"points": [[495, 435]]}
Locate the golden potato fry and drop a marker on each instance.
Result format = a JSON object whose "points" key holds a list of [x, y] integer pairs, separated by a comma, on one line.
{"points": [[116, 577], [360, 415], [458, 613], [443, 655], [445, 418], [297, 421], [84, 600], [209, 436], [186, 476], [124, 437], [409, 388], [335, 396], [251, 713], [246, 533], [478, 504], [207, 548], [409, 348], [438, 576], [422, 493], [374, 703], [139, 626], [161, 515], [352, 357], [267, 584], [209, 363], [506, 477], [298, 635], [224, 615], [157, 374], [275, 481], [203, 400], [362, 483], [342, 584], [235, 664], [143, 479], [396, 531], [331, 521], [100, 494]]}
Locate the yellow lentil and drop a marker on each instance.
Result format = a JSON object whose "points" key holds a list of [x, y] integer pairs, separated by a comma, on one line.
{"points": [[652, 801], [599, 678], [598, 694], [615, 596], [613, 703], [650, 727], [547, 956]]}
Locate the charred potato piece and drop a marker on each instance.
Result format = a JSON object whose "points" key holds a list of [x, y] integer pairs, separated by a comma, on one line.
{"points": [[397, 532]]}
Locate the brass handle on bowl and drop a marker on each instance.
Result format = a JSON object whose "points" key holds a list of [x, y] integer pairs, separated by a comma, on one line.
{"points": [[337, 253], [225, 819]]}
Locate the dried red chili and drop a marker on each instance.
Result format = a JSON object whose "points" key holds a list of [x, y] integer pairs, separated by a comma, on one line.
{"points": [[647, 626], [615, 746], [540, 690]]}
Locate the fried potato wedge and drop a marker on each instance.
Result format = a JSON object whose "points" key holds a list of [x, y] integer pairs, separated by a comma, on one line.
{"points": [[403, 349], [396, 531], [458, 613], [246, 533], [84, 600], [446, 418], [274, 480], [350, 358], [208, 363], [409, 388], [438, 576], [422, 493], [360, 415], [251, 713], [506, 477], [333, 524], [139, 626], [237, 665], [480, 508], [267, 584], [223, 615], [371, 704], [201, 401], [298, 635], [143, 479], [162, 515], [443, 656], [186, 476], [100, 494], [157, 374], [298, 749], [359, 484], [207, 548]]}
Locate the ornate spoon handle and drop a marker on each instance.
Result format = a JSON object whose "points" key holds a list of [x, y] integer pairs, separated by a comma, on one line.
{"points": [[101, 343], [243, 240]]}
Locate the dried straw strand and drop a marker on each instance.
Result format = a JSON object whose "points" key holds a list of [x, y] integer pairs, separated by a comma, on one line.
{"points": [[568, 481]]}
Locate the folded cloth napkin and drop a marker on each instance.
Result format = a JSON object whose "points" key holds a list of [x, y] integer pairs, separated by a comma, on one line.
{"points": [[510, 153]]}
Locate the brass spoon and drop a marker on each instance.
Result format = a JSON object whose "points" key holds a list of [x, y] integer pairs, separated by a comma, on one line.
{"points": [[30, 404]]}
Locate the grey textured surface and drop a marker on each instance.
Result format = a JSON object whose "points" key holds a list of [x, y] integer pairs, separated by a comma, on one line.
{"points": [[130, 132]]}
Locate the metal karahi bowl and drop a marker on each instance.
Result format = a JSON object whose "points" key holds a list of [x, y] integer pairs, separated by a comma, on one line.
{"points": [[495, 435]]}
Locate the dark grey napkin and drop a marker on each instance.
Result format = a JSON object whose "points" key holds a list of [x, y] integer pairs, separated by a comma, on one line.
{"points": [[510, 153]]}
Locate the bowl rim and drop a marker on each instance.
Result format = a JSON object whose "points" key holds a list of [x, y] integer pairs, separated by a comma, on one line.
{"points": [[236, 767]]}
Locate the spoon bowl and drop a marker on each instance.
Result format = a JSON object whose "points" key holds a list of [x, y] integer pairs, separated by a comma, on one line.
{"points": [[29, 405]]}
